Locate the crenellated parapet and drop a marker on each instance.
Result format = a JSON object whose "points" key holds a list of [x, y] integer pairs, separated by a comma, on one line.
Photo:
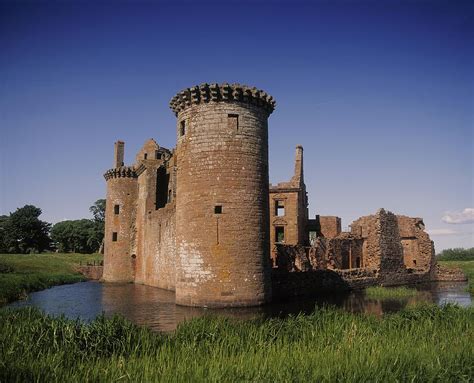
{"points": [[121, 172], [206, 93]]}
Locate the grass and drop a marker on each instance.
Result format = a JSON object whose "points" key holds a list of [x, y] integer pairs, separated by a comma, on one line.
{"points": [[378, 292], [424, 344], [466, 266], [23, 273]]}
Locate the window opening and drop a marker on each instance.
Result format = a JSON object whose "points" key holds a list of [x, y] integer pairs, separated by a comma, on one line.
{"points": [[279, 234], [279, 208]]}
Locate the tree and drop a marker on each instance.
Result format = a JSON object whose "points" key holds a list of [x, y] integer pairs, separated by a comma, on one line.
{"points": [[78, 236], [24, 232], [3, 222], [98, 210]]}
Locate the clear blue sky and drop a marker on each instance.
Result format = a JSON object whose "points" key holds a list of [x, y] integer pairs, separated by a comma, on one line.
{"points": [[379, 93]]}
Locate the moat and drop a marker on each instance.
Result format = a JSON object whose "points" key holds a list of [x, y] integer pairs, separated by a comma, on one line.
{"points": [[156, 308]]}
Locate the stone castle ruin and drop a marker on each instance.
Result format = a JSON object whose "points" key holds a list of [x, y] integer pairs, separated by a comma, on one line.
{"points": [[203, 220]]}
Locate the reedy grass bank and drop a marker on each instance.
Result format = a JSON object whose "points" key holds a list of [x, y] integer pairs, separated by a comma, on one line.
{"points": [[23, 273], [379, 292], [424, 344]]}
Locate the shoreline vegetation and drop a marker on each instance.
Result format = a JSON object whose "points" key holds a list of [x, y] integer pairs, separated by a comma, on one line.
{"points": [[425, 343], [386, 293], [24, 273]]}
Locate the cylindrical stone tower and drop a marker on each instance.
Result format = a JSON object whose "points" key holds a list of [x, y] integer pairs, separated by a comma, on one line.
{"points": [[119, 216], [222, 217]]}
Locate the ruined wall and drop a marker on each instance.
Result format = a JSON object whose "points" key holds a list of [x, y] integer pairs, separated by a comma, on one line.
{"points": [[330, 226], [155, 223], [418, 248], [119, 224], [222, 217]]}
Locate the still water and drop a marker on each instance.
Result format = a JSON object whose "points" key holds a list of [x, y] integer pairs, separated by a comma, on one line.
{"points": [[156, 308]]}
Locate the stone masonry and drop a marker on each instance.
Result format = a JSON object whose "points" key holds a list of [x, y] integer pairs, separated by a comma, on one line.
{"points": [[202, 219]]}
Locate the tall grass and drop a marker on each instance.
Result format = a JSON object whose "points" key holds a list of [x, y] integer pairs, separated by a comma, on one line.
{"points": [[22, 273], [378, 292], [421, 345]]}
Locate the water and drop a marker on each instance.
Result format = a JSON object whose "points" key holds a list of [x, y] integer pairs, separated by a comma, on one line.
{"points": [[156, 308]]}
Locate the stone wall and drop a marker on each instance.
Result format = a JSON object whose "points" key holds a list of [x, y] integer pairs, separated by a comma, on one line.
{"points": [[92, 272], [119, 224], [330, 226], [222, 207]]}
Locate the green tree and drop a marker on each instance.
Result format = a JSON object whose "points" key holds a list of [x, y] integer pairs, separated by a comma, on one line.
{"points": [[3, 244], [97, 235], [78, 236], [98, 210], [24, 232]]}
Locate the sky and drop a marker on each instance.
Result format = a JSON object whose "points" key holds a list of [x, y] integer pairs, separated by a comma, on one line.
{"points": [[379, 93]]}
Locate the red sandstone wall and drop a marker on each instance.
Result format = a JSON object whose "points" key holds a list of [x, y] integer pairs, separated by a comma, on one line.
{"points": [[222, 259], [118, 261], [330, 226]]}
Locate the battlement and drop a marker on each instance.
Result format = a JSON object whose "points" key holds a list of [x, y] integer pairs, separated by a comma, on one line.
{"points": [[121, 172], [205, 93]]}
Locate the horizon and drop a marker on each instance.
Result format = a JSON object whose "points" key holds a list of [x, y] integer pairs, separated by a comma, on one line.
{"points": [[379, 95]]}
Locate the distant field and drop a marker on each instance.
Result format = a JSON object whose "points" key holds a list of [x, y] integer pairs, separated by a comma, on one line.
{"points": [[23, 273]]}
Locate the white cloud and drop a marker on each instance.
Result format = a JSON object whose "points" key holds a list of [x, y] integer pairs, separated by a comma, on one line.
{"points": [[465, 216]]}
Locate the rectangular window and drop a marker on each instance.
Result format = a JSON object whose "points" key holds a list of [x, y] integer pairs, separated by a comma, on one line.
{"points": [[182, 128], [279, 208], [218, 209], [233, 121], [279, 234], [157, 155], [114, 236], [116, 209], [145, 156]]}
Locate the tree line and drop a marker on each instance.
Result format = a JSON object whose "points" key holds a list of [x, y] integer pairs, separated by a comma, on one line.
{"points": [[23, 232]]}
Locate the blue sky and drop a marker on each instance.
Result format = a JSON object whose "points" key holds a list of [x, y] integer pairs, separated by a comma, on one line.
{"points": [[379, 93]]}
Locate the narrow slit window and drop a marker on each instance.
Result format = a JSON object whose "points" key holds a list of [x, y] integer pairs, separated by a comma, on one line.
{"points": [[114, 236], [182, 128], [116, 209], [145, 156], [218, 209], [279, 208], [233, 121], [279, 234]]}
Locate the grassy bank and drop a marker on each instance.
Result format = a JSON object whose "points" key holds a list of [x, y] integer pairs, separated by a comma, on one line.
{"points": [[23, 273], [378, 292], [423, 344], [466, 266]]}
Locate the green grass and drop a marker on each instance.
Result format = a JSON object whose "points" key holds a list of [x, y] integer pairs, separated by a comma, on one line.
{"points": [[466, 266], [23, 273], [378, 292], [424, 344]]}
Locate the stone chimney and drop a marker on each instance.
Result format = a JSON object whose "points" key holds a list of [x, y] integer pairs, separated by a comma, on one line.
{"points": [[298, 177], [119, 150]]}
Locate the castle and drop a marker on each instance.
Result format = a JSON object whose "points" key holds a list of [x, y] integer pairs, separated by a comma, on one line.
{"points": [[203, 220]]}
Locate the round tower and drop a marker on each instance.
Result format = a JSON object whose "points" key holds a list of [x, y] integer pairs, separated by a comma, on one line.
{"points": [[119, 218], [222, 216]]}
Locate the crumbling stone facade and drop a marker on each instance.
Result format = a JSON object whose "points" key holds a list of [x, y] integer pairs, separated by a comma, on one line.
{"points": [[202, 219]]}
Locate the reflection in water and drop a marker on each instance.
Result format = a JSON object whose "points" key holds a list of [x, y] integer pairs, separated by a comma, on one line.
{"points": [[155, 308]]}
